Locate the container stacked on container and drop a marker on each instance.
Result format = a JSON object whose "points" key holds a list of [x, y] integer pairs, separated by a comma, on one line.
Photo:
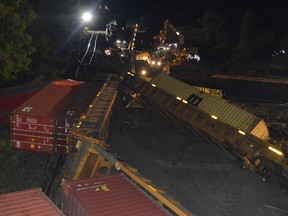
{"points": [[43, 122], [32, 202]]}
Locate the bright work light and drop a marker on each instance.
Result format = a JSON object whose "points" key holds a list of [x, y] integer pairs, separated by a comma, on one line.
{"points": [[86, 17]]}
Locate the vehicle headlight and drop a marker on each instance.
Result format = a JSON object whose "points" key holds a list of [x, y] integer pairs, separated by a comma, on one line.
{"points": [[143, 72]]}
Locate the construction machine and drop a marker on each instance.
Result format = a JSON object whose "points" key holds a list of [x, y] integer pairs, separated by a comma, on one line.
{"points": [[174, 54], [164, 32]]}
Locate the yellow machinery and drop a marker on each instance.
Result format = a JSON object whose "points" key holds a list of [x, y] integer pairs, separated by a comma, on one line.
{"points": [[144, 56], [164, 32], [173, 55]]}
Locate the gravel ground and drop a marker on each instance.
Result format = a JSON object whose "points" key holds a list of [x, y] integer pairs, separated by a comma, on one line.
{"points": [[198, 175], [22, 170]]}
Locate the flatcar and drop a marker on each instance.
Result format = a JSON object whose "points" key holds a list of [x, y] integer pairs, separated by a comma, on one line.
{"points": [[95, 124]]}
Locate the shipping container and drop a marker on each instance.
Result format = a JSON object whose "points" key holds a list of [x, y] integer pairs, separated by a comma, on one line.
{"points": [[107, 195], [252, 88], [225, 112], [43, 122], [32, 202], [13, 97]]}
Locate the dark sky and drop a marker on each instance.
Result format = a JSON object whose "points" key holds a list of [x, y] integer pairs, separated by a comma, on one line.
{"points": [[183, 12]]}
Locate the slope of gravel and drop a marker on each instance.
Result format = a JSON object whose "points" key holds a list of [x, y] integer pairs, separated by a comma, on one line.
{"points": [[200, 176]]}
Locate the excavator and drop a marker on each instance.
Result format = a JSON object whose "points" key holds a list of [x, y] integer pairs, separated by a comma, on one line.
{"points": [[163, 33], [173, 54]]}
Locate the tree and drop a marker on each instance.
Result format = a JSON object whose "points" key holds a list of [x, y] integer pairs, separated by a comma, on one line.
{"points": [[15, 48], [248, 34], [213, 25], [215, 41], [245, 51], [266, 44]]}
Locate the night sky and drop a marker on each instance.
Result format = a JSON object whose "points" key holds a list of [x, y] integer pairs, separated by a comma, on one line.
{"points": [[183, 12]]}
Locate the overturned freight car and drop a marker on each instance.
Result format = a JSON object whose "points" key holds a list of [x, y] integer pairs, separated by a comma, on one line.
{"points": [[43, 122], [94, 123], [252, 88], [213, 107], [217, 121]]}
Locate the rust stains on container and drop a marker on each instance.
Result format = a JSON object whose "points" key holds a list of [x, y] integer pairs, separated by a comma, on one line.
{"points": [[32, 202], [107, 195]]}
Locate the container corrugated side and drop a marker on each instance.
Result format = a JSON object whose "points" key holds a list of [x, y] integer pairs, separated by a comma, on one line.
{"points": [[210, 105], [33, 142], [252, 88], [256, 79], [260, 130], [40, 134], [32, 202], [107, 195], [36, 124]]}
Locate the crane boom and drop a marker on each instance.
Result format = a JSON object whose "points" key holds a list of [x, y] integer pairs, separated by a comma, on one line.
{"points": [[164, 32]]}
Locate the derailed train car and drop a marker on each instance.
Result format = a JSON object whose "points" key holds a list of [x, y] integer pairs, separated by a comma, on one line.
{"points": [[232, 128], [43, 122], [94, 124], [252, 88]]}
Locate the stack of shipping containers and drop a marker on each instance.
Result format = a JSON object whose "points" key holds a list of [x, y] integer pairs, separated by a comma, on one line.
{"points": [[43, 122]]}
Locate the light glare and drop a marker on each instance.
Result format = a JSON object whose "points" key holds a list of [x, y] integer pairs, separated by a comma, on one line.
{"points": [[86, 16], [275, 150]]}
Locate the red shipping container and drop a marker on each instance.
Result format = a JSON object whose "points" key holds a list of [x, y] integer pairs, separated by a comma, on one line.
{"points": [[107, 195], [13, 97], [43, 122], [32, 202]]}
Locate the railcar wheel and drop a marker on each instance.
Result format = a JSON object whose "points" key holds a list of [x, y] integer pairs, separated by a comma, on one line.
{"points": [[125, 126]]}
